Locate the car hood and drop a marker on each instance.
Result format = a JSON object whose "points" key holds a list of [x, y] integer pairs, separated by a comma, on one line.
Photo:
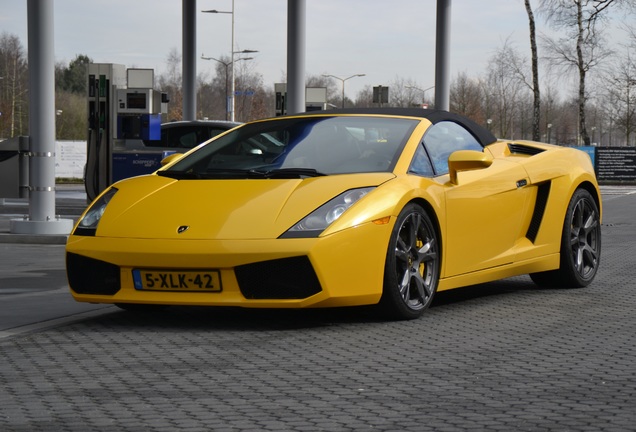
{"points": [[156, 207]]}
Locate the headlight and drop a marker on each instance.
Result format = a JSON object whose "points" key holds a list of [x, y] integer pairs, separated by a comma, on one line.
{"points": [[318, 220], [88, 223]]}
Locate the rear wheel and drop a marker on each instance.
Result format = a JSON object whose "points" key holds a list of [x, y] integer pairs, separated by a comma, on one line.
{"points": [[580, 245], [411, 271]]}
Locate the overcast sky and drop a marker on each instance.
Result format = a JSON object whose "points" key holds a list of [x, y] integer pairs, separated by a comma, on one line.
{"points": [[382, 39]]}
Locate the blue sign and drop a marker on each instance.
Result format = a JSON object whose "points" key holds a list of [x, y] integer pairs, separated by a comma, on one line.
{"points": [[590, 150]]}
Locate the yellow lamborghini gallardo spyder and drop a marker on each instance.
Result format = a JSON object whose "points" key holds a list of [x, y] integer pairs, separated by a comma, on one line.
{"points": [[340, 208]]}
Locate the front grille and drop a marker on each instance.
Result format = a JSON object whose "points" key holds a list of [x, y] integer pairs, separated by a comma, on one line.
{"points": [[91, 276], [287, 278]]}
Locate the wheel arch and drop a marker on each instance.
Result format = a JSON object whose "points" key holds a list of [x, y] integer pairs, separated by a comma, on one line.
{"points": [[430, 209], [591, 188], [400, 300], [570, 271]]}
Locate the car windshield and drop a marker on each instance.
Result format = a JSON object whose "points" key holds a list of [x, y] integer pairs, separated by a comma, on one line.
{"points": [[299, 147]]}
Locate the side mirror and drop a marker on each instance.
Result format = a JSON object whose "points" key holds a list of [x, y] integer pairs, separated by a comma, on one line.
{"points": [[466, 160], [169, 159]]}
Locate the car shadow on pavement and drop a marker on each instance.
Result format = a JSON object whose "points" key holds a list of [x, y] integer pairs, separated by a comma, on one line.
{"points": [[496, 288], [209, 318]]}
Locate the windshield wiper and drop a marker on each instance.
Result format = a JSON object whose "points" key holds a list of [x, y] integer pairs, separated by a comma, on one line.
{"points": [[212, 174], [289, 173], [221, 173], [179, 175]]}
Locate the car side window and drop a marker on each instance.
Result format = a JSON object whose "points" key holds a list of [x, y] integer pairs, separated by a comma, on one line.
{"points": [[188, 140], [181, 137], [421, 165], [212, 132], [444, 138]]}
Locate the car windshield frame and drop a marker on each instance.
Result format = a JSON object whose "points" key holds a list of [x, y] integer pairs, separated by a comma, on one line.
{"points": [[298, 147]]}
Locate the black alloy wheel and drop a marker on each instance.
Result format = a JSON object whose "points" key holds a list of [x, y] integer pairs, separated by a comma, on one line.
{"points": [[580, 245], [411, 271]]}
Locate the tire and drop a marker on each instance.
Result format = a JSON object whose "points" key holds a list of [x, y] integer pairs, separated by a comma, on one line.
{"points": [[411, 271], [580, 245]]}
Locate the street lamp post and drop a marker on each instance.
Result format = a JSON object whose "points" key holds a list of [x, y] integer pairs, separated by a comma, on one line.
{"points": [[343, 84], [227, 76], [422, 90], [232, 52]]}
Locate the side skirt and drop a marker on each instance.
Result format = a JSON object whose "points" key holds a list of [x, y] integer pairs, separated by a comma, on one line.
{"points": [[545, 263]]}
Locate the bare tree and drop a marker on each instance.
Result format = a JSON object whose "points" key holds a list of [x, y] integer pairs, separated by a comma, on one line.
{"points": [[536, 112], [364, 99], [466, 98], [502, 88], [251, 100], [550, 112], [622, 91], [13, 87], [248, 84], [405, 92], [170, 82], [581, 48], [214, 92]]}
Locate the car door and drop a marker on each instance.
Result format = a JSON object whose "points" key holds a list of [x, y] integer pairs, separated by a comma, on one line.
{"points": [[484, 211]]}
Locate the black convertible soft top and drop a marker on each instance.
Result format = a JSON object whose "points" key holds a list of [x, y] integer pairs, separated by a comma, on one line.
{"points": [[483, 135]]}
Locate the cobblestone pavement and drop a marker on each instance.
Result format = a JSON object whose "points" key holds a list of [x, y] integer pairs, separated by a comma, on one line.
{"points": [[502, 356]]}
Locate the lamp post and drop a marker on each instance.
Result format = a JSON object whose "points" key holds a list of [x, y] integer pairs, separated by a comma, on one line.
{"points": [[227, 76], [343, 84], [232, 52], [422, 90]]}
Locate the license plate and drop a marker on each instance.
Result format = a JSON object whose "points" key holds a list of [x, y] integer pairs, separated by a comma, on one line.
{"points": [[157, 280]]}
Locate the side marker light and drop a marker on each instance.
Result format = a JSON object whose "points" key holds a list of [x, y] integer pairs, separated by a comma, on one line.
{"points": [[382, 221]]}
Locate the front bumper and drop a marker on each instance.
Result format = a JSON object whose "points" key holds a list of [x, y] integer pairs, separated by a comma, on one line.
{"points": [[342, 269]]}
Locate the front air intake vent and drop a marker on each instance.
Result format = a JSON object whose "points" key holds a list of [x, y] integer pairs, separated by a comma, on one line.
{"points": [[287, 278], [524, 149], [91, 276]]}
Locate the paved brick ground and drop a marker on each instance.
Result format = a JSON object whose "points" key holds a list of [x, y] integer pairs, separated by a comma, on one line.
{"points": [[503, 356]]}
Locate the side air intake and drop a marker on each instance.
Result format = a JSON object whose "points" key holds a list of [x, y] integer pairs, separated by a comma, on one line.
{"points": [[524, 149], [543, 192]]}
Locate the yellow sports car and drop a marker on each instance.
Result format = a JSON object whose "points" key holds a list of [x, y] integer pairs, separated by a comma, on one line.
{"points": [[340, 208]]}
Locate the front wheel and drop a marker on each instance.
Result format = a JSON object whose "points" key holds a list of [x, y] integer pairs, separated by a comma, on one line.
{"points": [[411, 271], [580, 245]]}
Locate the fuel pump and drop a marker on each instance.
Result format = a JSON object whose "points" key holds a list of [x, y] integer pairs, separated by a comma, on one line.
{"points": [[123, 109], [103, 79]]}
